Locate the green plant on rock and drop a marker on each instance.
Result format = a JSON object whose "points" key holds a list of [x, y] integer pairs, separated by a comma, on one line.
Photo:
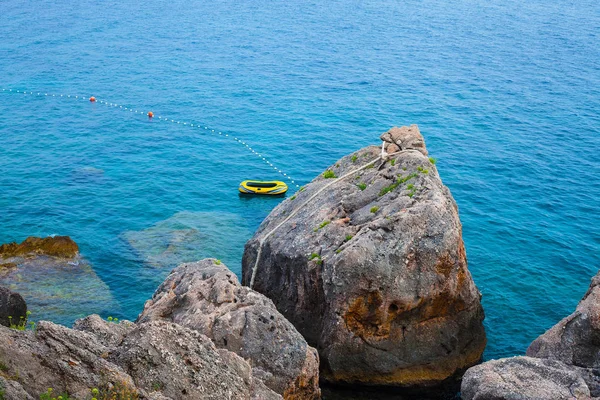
{"points": [[349, 237], [317, 257], [1, 393], [354, 157], [398, 182], [422, 170], [329, 174], [323, 225], [370, 166], [22, 324], [3, 367], [293, 197], [118, 391], [374, 209], [393, 162], [218, 262], [362, 186], [112, 319], [432, 160], [49, 395], [302, 189]]}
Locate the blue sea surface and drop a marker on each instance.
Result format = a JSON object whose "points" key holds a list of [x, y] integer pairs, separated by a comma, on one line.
{"points": [[506, 93]]}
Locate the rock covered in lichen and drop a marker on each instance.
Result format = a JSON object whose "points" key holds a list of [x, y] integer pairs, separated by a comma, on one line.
{"points": [[207, 297], [373, 271]]}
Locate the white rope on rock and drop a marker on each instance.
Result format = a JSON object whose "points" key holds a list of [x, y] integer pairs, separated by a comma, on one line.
{"points": [[383, 156]]}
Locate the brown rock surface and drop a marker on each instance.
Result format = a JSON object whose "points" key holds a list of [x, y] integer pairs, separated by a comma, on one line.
{"points": [[57, 246], [207, 297], [385, 294]]}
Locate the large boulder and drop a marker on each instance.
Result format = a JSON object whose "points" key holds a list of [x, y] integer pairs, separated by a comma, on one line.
{"points": [[13, 309], [372, 270], [207, 297], [563, 363]]}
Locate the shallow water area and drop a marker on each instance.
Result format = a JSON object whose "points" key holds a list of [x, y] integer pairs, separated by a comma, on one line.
{"points": [[506, 94]]}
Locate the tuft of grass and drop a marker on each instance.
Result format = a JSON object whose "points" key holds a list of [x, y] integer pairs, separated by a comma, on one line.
{"points": [[393, 162], [22, 324], [329, 174], [354, 157], [112, 319], [3, 367], [313, 256], [403, 168], [218, 262], [362, 186], [302, 189], [293, 197], [370, 166], [348, 237], [338, 251], [49, 395], [323, 225], [432, 160], [410, 186], [374, 209], [398, 182], [422, 170]]}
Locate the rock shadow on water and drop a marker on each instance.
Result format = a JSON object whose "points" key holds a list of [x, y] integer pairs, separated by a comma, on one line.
{"points": [[57, 289], [190, 236]]}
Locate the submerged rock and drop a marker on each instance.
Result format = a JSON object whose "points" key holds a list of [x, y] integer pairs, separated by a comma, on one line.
{"points": [[561, 364], [56, 282], [373, 271], [190, 236], [55, 246], [13, 308], [207, 297]]}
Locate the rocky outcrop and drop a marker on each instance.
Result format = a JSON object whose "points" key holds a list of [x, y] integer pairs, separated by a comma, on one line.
{"points": [[528, 378], [56, 246], [373, 270], [156, 360], [576, 339], [207, 297], [561, 364], [13, 308]]}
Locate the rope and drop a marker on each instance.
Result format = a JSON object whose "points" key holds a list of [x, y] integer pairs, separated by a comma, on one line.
{"points": [[165, 119]]}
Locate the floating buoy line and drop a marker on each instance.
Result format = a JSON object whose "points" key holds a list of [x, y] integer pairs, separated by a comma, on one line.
{"points": [[151, 116]]}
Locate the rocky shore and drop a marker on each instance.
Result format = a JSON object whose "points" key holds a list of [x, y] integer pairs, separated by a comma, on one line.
{"points": [[359, 284]]}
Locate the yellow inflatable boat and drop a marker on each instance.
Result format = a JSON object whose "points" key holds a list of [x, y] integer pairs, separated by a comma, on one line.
{"points": [[263, 187]]}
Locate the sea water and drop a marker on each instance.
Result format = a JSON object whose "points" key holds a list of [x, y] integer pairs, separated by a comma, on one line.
{"points": [[506, 94]]}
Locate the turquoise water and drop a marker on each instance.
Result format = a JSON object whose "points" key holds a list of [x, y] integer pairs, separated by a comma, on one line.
{"points": [[505, 93]]}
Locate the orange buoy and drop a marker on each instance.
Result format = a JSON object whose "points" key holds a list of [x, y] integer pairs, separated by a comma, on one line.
{"points": [[93, 99], [150, 114]]}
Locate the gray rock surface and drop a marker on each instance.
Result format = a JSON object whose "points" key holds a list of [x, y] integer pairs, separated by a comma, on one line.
{"points": [[11, 305], [576, 339], [527, 378], [563, 363], [373, 271], [207, 297], [158, 360]]}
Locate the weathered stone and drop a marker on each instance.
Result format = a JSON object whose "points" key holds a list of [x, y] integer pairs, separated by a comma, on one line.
{"points": [[12, 390], [376, 279], [406, 137], [109, 333], [576, 339], [13, 308], [183, 363], [526, 378], [207, 297], [57, 246]]}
